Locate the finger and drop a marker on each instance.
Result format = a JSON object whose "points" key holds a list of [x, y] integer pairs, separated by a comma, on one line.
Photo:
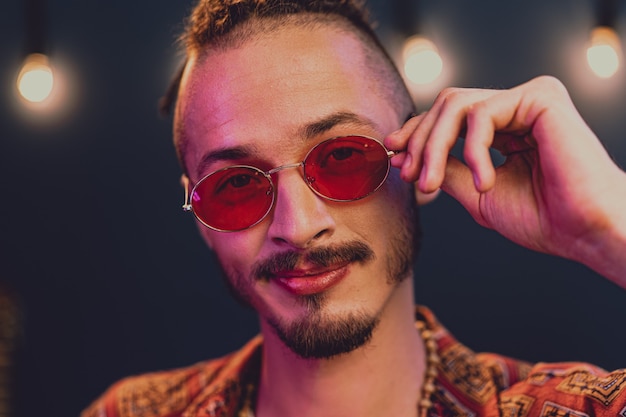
{"points": [[478, 140], [459, 184], [445, 131], [398, 160], [558, 130], [496, 122], [423, 198], [397, 140], [411, 167], [411, 142]]}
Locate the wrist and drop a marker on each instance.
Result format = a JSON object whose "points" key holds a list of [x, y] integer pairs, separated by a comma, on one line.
{"points": [[604, 250]]}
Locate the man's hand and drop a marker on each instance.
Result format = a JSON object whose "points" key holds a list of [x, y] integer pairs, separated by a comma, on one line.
{"points": [[557, 192]]}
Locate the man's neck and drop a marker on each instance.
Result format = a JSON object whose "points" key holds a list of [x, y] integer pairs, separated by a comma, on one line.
{"points": [[383, 377]]}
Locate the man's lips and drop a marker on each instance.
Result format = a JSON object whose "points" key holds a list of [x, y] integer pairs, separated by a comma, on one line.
{"points": [[311, 281]]}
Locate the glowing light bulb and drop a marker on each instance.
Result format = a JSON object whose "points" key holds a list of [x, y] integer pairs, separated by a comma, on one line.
{"points": [[422, 62], [604, 52], [35, 80]]}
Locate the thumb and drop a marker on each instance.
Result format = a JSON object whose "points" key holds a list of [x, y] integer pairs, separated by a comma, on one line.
{"points": [[459, 183]]}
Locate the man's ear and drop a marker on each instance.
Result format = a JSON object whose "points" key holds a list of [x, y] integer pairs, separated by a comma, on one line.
{"points": [[423, 198], [184, 182]]}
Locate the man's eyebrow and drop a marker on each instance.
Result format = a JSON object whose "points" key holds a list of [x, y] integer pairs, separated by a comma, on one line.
{"points": [[327, 123], [225, 154]]}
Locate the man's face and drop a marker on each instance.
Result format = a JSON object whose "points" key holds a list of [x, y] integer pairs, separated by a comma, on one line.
{"points": [[320, 274]]}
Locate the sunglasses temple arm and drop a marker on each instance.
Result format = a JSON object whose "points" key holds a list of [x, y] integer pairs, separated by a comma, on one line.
{"points": [[391, 154], [186, 204]]}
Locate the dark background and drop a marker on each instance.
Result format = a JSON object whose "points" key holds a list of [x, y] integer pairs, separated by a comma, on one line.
{"points": [[111, 276]]}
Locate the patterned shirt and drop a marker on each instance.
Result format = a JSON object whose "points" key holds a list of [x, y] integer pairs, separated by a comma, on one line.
{"points": [[468, 384]]}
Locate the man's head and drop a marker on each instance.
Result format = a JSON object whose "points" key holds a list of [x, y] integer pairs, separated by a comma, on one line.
{"points": [[264, 82]]}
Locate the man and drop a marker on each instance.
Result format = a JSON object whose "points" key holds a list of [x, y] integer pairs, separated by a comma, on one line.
{"points": [[281, 113]]}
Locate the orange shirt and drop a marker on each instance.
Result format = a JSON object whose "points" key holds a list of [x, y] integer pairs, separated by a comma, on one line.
{"points": [[468, 384]]}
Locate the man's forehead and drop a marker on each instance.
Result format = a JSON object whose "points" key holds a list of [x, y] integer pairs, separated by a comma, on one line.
{"points": [[290, 40], [285, 62]]}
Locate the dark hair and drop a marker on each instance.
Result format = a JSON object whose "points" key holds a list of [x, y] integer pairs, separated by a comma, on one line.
{"points": [[212, 19]]}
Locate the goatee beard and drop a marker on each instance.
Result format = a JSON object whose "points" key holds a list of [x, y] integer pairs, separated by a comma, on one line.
{"points": [[315, 338]]}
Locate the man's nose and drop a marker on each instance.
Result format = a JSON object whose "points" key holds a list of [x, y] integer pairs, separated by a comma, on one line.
{"points": [[300, 217]]}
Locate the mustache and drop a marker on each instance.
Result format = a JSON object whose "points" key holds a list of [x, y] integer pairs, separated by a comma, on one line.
{"points": [[354, 251]]}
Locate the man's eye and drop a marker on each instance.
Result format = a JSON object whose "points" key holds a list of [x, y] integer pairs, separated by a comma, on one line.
{"points": [[342, 153], [236, 183], [239, 181]]}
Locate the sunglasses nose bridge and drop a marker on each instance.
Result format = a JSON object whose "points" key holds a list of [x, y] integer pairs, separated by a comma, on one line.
{"points": [[289, 166], [282, 167]]}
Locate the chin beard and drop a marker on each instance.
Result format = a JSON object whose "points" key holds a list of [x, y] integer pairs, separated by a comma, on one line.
{"points": [[315, 337]]}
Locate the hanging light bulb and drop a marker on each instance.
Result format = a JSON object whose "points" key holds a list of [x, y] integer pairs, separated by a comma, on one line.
{"points": [[604, 52], [422, 62], [35, 81]]}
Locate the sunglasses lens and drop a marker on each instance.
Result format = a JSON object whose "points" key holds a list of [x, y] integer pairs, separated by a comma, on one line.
{"points": [[347, 168], [232, 199]]}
